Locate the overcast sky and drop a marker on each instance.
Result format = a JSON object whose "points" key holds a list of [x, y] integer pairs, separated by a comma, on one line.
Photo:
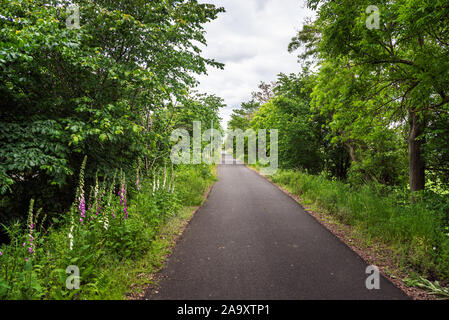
{"points": [[251, 39]]}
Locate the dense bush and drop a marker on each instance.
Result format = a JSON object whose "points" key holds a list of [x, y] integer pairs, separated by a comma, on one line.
{"points": [[110, 89]]}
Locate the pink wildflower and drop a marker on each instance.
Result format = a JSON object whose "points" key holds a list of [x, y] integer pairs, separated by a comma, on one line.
{"points": [[82, 206]]}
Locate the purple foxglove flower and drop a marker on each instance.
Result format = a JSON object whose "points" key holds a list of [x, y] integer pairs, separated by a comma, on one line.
{"points": [[82, 207]]}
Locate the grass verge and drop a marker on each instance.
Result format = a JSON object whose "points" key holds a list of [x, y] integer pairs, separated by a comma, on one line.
{"points": [[133, 277]]}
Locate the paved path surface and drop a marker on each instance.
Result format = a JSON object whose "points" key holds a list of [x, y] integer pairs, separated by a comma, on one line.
{"points": [[252, 241]]}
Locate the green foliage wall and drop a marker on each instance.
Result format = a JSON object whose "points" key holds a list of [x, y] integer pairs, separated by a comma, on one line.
{"points": [[112, 89]]}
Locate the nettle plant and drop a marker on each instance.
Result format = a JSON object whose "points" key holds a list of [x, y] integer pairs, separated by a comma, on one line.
{"points": [[97, 230]]}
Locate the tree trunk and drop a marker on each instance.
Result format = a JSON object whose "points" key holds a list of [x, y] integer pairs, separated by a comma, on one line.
{"points": [[351, 151], [416, 162]]}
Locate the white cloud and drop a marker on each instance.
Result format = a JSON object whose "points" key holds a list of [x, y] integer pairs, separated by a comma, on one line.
{"points": [[251, 39]]}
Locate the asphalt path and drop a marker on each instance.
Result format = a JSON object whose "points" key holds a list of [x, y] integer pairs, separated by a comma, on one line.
{"points": [[251, 241]]}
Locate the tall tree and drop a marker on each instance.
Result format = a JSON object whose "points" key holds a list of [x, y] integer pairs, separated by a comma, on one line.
{"points": [[67, 92], [402, 65]]}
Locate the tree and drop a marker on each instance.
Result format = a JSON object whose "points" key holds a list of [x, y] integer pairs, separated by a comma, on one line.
{"points": [[241, 118], [265, 93], [401, 68], [90, 91]]}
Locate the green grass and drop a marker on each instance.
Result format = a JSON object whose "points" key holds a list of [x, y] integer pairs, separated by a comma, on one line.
{"points": [[417, 233], [132, 276], [113, 261]]}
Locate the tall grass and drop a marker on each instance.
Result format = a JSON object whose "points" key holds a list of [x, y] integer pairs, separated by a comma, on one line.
{"points": [[417, 232], [103, 235]]}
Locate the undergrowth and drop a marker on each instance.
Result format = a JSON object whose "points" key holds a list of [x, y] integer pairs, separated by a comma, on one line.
{"points": [[109, 237]]}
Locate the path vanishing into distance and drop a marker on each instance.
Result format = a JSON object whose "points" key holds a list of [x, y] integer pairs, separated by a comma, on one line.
{"points": [[251, 241]]}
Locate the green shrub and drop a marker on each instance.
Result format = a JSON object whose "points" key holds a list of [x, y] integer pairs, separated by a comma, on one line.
{"points": [[192, 182]]}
